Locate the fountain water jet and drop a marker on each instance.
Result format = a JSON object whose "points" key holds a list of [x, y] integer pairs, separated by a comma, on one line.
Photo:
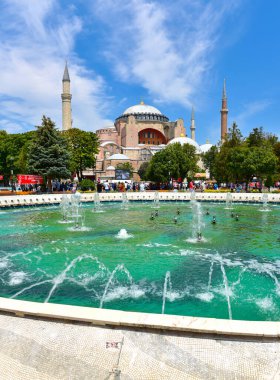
{"points": [[62, 276], [225, 281], [65, 207], [229, 201], [97, 203], [210, 275], [197, 224], [77, 214], [264, 201], [125, 202], [167, 282], [192, 196], [122, 234], [119, 268], [156, 200]]}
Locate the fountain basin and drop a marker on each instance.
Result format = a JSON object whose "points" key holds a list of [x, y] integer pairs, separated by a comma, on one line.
{"points": [[157, 247]]}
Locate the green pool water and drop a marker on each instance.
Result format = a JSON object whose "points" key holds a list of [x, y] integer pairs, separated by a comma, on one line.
{"points": [[234, 270]]}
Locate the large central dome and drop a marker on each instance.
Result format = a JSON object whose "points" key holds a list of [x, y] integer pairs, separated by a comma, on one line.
{"points": [[143, 112], [142, 109]]}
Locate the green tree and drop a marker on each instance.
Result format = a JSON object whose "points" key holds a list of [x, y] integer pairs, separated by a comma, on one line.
{"points": [[48, 154], [260, 162], [83, 147], [259, 138], [234, 137], [86, 184], [142, 171], [209, 160], [3, 153], [13, 153], [175, 161], [126, 166]]}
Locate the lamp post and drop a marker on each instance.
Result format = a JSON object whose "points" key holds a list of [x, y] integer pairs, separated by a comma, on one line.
{"points": [[12, 173], [169, 177]]}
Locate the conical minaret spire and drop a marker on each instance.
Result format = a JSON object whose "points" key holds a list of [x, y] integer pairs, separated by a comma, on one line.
{"points": [[192, 125], [66, 76], [224, 113], [66, 101]]}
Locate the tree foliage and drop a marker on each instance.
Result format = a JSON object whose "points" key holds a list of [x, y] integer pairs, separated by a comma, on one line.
{"points": [[48, 154], [143, 170], [126, 166], [86, 184], [175, 161], [13, 152], [239, 159], [83, 147]]}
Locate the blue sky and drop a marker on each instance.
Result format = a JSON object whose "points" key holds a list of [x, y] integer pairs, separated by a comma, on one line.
{"points": [[171, 54]]}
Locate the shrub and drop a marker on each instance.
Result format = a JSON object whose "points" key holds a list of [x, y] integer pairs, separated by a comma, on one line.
{"points": [[86, 184]]}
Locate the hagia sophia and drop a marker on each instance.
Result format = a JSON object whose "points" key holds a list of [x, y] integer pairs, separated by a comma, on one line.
{"points": [[137, 134]]}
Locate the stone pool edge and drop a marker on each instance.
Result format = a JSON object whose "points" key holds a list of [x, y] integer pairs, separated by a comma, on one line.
{"points": [[51, 199], [118, 318]]}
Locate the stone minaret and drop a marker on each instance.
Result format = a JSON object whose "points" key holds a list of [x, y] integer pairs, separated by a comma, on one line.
{"points": [[66, 101], [224, 113], [192, 126]]}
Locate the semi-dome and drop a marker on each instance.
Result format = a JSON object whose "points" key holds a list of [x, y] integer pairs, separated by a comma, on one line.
{"points": [[186, 140], [118, 156], [142, 109], [104, 143], [205, 147]]}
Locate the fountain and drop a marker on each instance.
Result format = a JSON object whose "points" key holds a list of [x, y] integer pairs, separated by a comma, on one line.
{"points": [[192, 196], [76, 211], [225, 282], [210, 275], [225, 279], [197, 223], [156, 200], [65, 207], [97, 203], [167, 283], [122, 234], [125, 201], [264, 201], [229, 201], [119, 268]]}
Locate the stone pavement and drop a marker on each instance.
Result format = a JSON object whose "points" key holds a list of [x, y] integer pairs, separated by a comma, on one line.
{"points": [[33, 349]]}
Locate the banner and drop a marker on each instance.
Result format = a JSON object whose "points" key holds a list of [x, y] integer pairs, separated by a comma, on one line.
{"points": [[28, 179]]}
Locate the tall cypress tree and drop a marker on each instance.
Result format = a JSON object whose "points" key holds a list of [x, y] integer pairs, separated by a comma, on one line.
{"points": [[48, 153]]}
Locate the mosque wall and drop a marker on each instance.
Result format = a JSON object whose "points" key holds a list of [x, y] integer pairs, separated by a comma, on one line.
{"points": [[107, 134], [179, 128], [129, 133], [133, 154]]}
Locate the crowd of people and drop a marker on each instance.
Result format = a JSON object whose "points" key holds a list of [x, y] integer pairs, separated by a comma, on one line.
{"points": [[107, 186], [123, 186]]}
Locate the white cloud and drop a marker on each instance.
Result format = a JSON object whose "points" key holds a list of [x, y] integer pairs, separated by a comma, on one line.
{"points": [[164, 46], [246, 117], [36, 37]]}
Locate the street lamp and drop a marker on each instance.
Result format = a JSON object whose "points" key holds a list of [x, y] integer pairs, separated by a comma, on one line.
{"points": [[169, 177], [12, 173]]}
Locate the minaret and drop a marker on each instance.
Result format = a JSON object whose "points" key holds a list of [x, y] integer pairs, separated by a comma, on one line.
{"points": [[192, 126], [66, 101], [224, 113]]}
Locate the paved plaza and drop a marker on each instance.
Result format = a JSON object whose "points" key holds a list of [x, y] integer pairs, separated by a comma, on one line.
{"points": [[39, 349]]}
